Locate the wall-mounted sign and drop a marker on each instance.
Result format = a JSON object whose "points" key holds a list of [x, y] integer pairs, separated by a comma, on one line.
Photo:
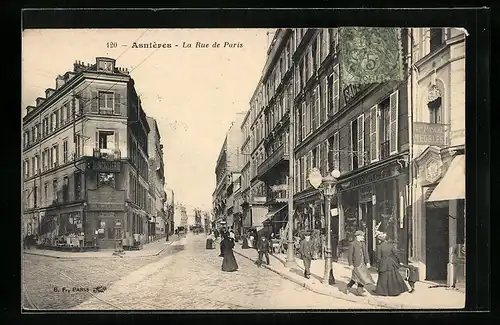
{"points": [[431, 134], [376, 176], [106, 166], [352, 90], [106, 198]]}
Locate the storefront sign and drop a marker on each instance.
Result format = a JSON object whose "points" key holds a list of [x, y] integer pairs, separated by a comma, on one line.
{"points": [[106, 198], [106, 166], [376, 176], [352, 90], [429, 134], [106, 206]]}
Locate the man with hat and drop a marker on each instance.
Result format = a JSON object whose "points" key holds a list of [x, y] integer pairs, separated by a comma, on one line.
{"points": [[306, 251], [359, 262]]}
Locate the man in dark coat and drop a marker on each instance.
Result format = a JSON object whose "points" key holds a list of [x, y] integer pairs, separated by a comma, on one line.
{"points": [[263, 249], [306, 250], [359, 262]]}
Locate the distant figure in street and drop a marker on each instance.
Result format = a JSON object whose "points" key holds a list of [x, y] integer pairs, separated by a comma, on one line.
{"points": [[263, 249], [359, 262], [306, 250], [390, 282], [244, 245], [229, 262]]}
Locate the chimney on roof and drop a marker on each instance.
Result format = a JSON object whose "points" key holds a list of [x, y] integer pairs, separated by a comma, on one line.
{"points": [[60, 82], [39, 101], [49, 92]]}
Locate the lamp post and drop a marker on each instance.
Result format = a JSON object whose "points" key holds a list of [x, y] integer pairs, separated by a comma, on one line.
{"points": [[327, 184]]}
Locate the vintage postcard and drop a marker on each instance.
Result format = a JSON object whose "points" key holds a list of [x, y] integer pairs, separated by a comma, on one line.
{"points": [[243, 169]]}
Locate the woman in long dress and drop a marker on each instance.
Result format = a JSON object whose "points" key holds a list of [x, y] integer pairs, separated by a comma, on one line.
{"points": [[390, 282], [229, 262]]}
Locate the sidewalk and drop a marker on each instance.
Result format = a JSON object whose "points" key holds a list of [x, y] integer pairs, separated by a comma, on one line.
{"points": [[148, 250], [423, 297]]}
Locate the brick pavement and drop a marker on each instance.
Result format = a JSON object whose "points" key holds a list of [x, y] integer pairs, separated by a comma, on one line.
{"points": [[150, 249], [423, 297], [192, 279]]}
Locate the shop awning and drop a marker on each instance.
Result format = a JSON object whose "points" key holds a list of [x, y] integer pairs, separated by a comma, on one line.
{"points": [[452, 186], [271, 214]]}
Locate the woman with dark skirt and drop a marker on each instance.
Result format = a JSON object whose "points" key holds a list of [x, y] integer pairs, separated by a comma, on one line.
{"points": [[229, 262], [390, 282]]}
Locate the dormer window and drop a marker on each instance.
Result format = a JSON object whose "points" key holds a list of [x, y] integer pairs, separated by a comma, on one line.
{"points": [[105, 65]]}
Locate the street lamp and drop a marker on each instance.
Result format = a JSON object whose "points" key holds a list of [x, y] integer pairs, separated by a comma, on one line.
{"points": [[327, 183]]}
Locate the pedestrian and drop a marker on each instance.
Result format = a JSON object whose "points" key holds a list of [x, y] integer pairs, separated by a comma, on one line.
{"points": [[229, 261], [359, 262], [390, 282], [263, 249], [245, 245], [306, 251]]}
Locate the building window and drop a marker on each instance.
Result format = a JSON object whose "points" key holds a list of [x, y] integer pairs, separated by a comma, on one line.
{"points": [[333, 152], [436, 38], [44, 159], [354, 145], [26, 168], [35, 196], [78, 148], [56, 119], [61, 115], [434, 104], [106, 102], [105, 139], [55, 156], [65, 189], [54, 191], [315, 158], [52, 122], [333, 39], [65, 151], [46, 192], [78, 185], [37, 164], [69, 113], [37, 132]]}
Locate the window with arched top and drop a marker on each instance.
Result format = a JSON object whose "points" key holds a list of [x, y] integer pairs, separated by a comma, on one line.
{"points": [[435, 103]]}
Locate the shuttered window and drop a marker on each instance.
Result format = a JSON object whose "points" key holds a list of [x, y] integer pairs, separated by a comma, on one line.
{"points": [[335, 90], [304, 121], [374, 139], [361, 140], [394, 112]]}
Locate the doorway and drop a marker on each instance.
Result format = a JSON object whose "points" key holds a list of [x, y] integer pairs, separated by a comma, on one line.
{"points": [[365, 224], [436, 243]]}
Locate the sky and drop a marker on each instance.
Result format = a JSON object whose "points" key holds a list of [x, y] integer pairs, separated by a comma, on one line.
{"points": [[193, 93]]}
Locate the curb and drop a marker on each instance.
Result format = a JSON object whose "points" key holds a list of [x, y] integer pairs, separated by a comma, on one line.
{"points": [[313, 288], [110, 257]]}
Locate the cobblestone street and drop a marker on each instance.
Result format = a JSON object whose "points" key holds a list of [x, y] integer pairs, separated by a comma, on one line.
{"points": [[187, 276]]}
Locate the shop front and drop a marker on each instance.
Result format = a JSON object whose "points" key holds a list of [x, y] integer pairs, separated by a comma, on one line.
{"points": [[374, 201], [105, 217], [441, 179]]}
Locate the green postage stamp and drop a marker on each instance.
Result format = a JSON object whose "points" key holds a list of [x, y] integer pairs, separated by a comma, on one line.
{"points": [[370, 55]]}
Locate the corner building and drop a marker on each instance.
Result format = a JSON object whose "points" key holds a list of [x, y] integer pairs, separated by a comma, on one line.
{"points": [[85, 158]]}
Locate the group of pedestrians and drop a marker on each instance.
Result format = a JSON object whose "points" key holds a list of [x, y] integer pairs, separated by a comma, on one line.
{"points": [[389, 282]]}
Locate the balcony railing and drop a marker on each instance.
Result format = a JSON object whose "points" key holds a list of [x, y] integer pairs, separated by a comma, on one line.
{"points": [[107, 154], [279, 155], [384, 150]]}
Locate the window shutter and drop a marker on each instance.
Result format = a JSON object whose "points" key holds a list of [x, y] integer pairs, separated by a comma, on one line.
{"points": [[324, 157], [374, 134], [336, 89], [118, 104], [393, 128], [351, 146], [318, 106], [325, 42], [361, 140], [97, 140], [93, 102], [336, 149], [77, 105]]}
